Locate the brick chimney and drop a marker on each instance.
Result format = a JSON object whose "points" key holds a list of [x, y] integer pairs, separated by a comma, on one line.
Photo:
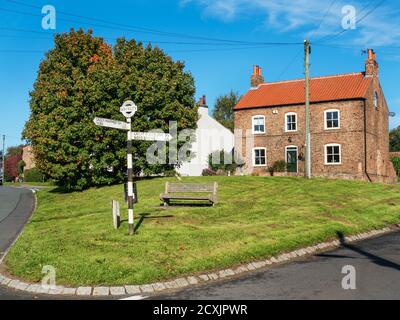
{"points": [[256, 78], [371, 65], [203, 107], [203, 101]]}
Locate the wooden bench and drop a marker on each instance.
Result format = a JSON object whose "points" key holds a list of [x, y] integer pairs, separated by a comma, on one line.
{"points": [[190, 191]]}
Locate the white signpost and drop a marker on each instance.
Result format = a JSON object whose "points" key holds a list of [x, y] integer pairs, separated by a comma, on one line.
{"points": [[112, 124], [150, 136], [129, 109]]}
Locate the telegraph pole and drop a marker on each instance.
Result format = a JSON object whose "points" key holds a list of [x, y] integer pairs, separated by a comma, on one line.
{"points": [[307, 51], [3, 158]]}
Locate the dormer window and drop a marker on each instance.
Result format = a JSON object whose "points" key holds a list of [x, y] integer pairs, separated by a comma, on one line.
{"points": [[376, 100]]}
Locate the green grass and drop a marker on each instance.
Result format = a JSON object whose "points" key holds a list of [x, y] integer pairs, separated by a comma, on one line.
{"points": [[257, 217]]}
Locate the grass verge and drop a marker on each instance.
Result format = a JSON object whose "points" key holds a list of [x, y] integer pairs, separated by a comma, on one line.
{"points": [[257, 217]]}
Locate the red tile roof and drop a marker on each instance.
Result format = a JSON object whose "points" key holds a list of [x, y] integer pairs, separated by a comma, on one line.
{"points": [[330, 88]]}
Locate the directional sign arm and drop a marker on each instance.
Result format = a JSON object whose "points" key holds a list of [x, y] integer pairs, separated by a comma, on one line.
{"points": [[109, 123], [150, 136]]}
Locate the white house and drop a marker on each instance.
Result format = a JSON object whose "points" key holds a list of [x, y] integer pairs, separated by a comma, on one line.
{"points": [[210, 136]]}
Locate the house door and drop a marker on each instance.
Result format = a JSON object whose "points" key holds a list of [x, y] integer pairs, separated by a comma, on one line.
{"points": [[291, 159]]}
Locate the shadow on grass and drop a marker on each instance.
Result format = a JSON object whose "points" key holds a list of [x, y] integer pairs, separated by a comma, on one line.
{"points": [[186, 204], [373, 258], [145, 216]]}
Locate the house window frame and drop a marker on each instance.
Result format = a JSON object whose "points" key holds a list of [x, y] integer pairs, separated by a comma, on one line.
{"points": [[253, 124], [254, 157], [297, 151], [326, 154], [286, 121], [326, 119]]}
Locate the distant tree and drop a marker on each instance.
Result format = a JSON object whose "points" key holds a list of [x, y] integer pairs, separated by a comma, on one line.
{"points": [[21, 167], [223, 109], [12, 159], [11, 167], [82, 78], [14, 150], [394, 140]]}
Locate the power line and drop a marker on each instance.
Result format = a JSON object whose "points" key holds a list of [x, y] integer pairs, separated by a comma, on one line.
{"points": [[327, 38], [290, 64], [133, 28], [50, 36], [323, 18]]}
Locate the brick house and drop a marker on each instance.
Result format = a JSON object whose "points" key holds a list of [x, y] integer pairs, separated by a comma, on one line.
{"points": [[349, 125], [28, 157]]}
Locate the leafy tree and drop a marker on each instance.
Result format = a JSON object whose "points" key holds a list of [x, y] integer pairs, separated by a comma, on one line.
{"points": [[21, 166], [162, 91], [82, 78], [396, 164], [33, 175], [15, 150], [394, 140], [223, 109], [11, 167]]}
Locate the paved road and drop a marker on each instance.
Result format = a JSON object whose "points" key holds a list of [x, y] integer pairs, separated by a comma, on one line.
{"points": [[377, 264], [16, 206]]}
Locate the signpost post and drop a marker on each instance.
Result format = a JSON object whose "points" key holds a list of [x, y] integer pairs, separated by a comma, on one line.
{"points": [[129, 109]]}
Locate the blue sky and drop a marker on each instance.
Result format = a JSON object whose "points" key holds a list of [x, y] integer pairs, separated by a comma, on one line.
{"points": [[217, 66]]}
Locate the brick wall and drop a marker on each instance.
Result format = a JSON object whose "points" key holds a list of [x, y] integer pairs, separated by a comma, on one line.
{"points": [[350, 136], [28, 158]]}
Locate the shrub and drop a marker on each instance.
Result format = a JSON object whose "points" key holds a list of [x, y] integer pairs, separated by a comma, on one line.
{"points": [[278, 166], [208, 172], [33, 175], [396, 164], [221, 165]]}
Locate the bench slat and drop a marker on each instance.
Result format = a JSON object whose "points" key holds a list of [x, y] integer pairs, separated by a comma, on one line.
{"points": [[168, 196], [189, 187]]}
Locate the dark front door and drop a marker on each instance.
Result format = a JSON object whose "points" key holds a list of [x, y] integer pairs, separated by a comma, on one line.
{"points": [[291, 156]]}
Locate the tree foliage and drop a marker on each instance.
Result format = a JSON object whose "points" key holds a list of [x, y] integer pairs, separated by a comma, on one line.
{"points": [[394, 140], [223, 109], [223, 161], [396, 164], [12, 159], [83, 78], [11, 167]]}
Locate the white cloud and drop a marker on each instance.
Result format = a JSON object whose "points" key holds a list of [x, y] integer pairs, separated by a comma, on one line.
{"points": [[382, 27]]}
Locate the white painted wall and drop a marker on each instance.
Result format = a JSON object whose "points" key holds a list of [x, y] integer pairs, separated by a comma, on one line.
{"points": [[210, 136]]}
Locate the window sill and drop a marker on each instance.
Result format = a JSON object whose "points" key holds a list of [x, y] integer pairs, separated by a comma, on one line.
{"points": [[333, 164]]}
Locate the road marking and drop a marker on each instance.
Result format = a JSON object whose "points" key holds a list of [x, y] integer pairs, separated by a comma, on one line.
{"points": [[135, 298]]}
